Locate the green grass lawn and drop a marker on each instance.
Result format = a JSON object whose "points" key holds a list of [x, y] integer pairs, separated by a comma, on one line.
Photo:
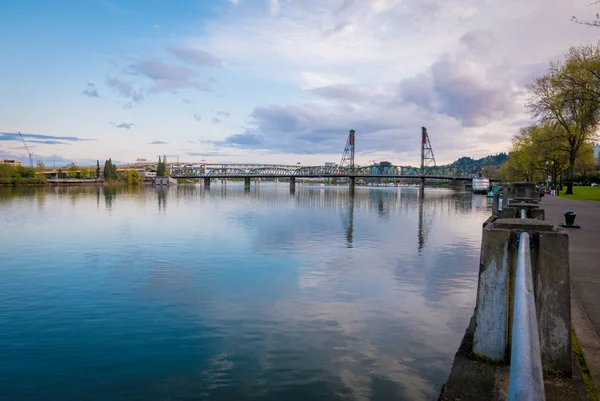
{"points": [[583, 193]]}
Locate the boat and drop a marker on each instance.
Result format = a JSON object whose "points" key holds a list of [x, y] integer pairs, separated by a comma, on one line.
{"points": [[481, 185]]}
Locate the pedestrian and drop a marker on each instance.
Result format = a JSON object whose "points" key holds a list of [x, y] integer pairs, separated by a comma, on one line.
{"points": [[553, 190], [542, 192]]}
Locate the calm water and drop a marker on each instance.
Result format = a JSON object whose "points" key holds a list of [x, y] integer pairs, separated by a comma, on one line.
{"points": [[183, 294]]}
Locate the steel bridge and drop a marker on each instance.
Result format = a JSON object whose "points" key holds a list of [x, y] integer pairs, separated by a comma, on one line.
{"points": [[346, 168], [285, 171]]}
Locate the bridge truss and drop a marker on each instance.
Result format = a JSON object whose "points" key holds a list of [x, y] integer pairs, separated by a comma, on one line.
{"points": [[347, 168]]}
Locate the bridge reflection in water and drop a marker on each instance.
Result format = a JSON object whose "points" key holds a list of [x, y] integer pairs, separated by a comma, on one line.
{"points": [[426, 202]]}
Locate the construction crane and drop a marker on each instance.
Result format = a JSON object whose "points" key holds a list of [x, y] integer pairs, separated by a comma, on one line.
{"points": [[27, 149]]}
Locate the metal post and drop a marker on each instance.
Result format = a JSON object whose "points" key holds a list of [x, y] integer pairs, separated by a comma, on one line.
{"points": [[526, 377]]}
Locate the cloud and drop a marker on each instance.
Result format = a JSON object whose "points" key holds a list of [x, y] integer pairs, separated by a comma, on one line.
{"points": [[210, 154], [197, 117], [167, 78], [195, 57], [188, 101], [463, 89], [246, 139], [158, 143], [223, 113], [217, 120], [40, 138], [125, 89], [123, 125], [90, 90]]}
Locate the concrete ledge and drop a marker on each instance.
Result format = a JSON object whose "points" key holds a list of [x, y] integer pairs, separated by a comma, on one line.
{"points": [[523, 225], [473, 379]]}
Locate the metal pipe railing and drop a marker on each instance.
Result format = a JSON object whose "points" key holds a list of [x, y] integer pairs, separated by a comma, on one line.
{"points": [[526, 376]]}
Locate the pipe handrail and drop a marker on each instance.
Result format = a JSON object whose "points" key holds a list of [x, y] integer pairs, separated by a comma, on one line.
{"points": [[526, 375]]}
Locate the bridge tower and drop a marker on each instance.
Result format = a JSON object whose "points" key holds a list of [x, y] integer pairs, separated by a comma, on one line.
{"points": [[427, 158], [348, 155]]}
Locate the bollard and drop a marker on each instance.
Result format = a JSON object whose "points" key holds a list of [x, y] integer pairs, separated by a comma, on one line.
{"points": [[570, 220]]}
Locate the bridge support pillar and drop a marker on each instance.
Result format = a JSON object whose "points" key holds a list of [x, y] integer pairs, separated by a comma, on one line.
{"points": [[352, 183], [247, 182], [292, 183], [207, 183]]}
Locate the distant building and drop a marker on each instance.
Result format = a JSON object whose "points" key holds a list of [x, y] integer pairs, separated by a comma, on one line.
{"points": [[148, 174], [11, 162], [383, 168]]}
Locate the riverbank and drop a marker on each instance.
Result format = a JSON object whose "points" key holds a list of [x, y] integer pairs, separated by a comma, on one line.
{"points": [[475, 379]]}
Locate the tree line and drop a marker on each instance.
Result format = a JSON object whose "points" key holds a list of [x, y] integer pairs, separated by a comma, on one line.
{"points": [[565, 105]]}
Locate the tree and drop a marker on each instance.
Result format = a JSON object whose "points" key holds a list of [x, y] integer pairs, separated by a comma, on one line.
{"points": [[537, 151], [595, 22], [160, 169], [585, 162], [107, 170], [72, 169], [110, 170], [113, 168], [567, 98], [165, 168], [85, 173], [132, 177], [97, 169], [40, 165]]}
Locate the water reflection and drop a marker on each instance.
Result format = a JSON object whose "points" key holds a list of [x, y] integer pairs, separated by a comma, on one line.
{"points": [[161, 195], [110, 194], [270, 294]]}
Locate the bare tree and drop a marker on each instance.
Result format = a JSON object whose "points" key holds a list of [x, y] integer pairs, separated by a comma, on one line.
{"points": [[595, 23]]}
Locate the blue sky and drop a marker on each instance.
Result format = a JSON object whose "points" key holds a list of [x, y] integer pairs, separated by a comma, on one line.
{"points": [[278, 81]]}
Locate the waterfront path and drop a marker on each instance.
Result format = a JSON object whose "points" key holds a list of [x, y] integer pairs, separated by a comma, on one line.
{"points": [[584, 247]]}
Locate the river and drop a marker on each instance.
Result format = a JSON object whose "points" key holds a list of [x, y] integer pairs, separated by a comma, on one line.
{"points": [[227, 294]]}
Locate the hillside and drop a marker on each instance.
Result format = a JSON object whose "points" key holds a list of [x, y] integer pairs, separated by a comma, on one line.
{"points": [[488, 166], [473, 165]]}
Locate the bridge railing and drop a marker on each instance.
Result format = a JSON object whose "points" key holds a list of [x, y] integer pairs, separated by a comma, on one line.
{"points": [[526, 376]]}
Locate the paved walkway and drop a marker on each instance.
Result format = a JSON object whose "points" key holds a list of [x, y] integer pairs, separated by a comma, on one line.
{"points": [[584, 246]]}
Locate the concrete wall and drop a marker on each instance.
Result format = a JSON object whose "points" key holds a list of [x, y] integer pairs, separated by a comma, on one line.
{"points": [[495, 292]]}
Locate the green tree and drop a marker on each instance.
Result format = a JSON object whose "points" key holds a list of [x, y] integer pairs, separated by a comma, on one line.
{"points": [[568, 98], [113, 168], [97, 169], [165, 166], [110, 170], [133, 177], [107, 170], [85, 173], [160, 169], [72, 170]]}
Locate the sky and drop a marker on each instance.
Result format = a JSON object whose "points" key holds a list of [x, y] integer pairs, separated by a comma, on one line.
{"points": [[274, 81]]}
